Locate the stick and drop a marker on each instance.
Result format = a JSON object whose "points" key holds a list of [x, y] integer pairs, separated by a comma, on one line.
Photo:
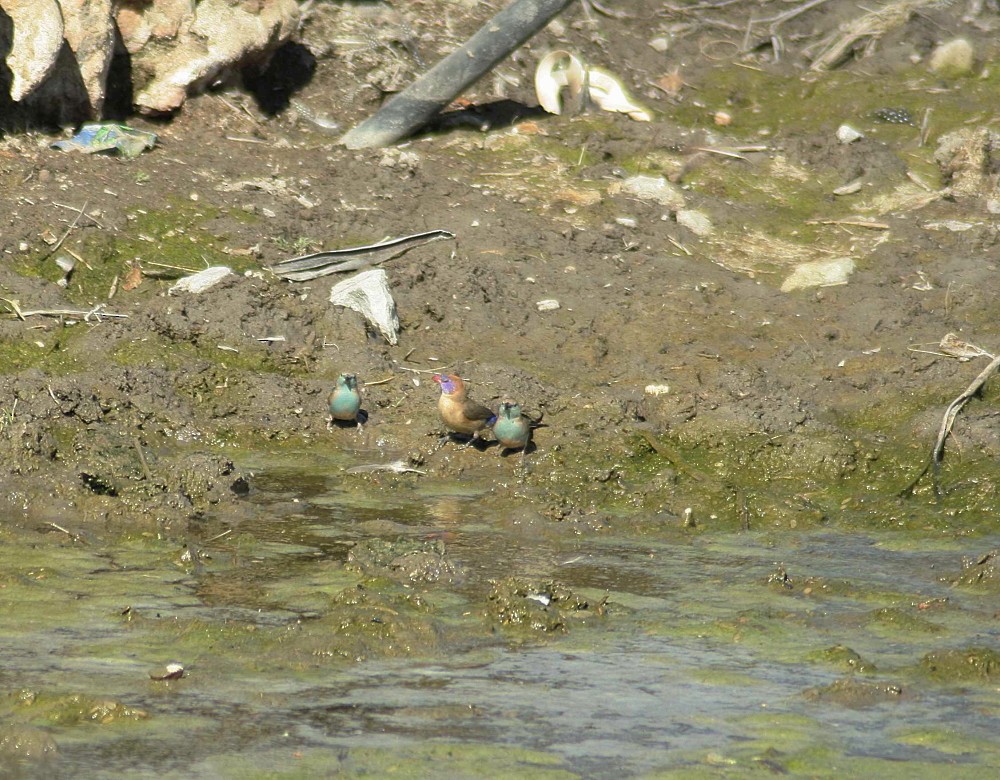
{"points": [[937, 454], [146, 473], [865, 223], [59, 243], [95, 312], [424, 98]]}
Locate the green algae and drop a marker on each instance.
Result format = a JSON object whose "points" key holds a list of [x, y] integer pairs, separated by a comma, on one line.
{"points": [[442, 758], [72, 709], [54, 352], [972, 665], [844, 659], [898, 621], [265, 609], [951, 742]]}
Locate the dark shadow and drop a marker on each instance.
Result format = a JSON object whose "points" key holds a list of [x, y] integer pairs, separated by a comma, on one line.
{"points": [[482, 117], [59, 101], [510, 452], [289, 69], [362, 419], [463, 440], [7, 106], [119, 88]]}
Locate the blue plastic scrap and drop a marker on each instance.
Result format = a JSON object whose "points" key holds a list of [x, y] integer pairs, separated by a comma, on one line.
{"points": [[105, 136]]}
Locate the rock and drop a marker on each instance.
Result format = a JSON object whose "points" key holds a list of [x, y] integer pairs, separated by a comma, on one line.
{"points": [[90, 32], [821, 273], [966, 159], [695, 221], [161, 19], [37, 38], [201, 281], [221, 35], [847, 134], [368, 294], [175, 47], [952, 58], [650, 188]]}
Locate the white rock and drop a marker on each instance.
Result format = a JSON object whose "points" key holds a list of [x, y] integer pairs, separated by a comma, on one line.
{"points": [[37, 38], [654, 188], [549, 304], [660, 44], [657, 389], [695, 221], [847, 134], [368, 294], [954, 225], [821, 273], [952, 58], [201, 281]]}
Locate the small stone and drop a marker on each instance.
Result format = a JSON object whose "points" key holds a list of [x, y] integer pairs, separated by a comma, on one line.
{"points": [[368, 294], [172, 671], [654, 188], [952, 58], [201, 281], [549, 304], [847, 134], [695, 221], [657, 389], [821, 273], [660, 44]]}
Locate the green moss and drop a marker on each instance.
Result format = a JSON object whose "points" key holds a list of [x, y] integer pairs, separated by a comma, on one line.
{"points": [[183, 235], [844, 659], [974, 664]]}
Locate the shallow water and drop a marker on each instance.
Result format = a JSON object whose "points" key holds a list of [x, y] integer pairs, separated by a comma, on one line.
{"points": [[700, 665]]}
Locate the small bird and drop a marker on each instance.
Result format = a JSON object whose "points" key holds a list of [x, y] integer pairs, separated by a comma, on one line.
{"points": [[458, 412], [345, 401], [513, 428]]}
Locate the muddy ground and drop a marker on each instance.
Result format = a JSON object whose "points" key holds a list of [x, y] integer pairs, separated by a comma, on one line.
{"points": [[783, 408]]}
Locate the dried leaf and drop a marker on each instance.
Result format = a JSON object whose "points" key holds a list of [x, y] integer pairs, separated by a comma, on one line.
{"points": [[133, 278]]}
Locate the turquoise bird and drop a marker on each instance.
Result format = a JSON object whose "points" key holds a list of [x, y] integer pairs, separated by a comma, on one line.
{"points": [[513, 428], [345, 402]]}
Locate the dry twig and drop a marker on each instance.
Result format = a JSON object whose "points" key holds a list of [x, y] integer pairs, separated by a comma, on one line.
{"points": [[947, 422], [868, 28]]}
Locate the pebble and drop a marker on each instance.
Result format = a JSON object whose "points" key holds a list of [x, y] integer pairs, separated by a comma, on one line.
{"points": [[654, 188], [952, 58], [847, 134], [822, 273], [200, 281], [695, 221]]}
